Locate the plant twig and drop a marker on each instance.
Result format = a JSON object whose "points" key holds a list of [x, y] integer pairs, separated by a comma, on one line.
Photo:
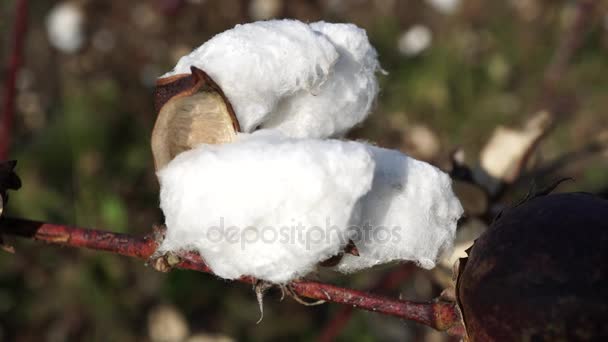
{"points": [[439, 315], [389, 281], [10, 91], [550, 168]]}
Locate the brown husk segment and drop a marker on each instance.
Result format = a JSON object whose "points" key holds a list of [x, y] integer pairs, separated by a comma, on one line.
{"points": [[167, 88], [191, 110], [186, 85], [539, 273]]}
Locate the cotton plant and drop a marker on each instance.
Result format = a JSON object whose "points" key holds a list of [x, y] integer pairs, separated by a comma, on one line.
{"points": [[253, 171]]}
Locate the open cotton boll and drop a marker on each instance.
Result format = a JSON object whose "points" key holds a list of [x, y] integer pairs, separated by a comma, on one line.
{"points": [[258, 64], [409, 214], [305, 80], [266, 206]]}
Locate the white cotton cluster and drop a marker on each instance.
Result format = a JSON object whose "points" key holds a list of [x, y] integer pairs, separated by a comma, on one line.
{"points": [[314, 80], [410, 214], [266, 206], [279, 200], [273, 207], [64, 26]]}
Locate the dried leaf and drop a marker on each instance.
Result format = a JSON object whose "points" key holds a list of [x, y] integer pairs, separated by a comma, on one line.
{"points": [[508, 151]]}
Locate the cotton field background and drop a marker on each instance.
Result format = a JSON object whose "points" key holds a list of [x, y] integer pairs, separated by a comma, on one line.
{"points": [[472, 87]]}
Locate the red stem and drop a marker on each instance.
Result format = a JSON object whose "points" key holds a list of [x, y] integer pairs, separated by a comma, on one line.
{"points": [[10, 91], [438, 315], [390, 281]]}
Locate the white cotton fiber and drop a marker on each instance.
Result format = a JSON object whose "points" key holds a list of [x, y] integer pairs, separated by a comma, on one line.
{"points": [[276, 202], [314, 80], [265, 206], [344, 100], [409, 215]]}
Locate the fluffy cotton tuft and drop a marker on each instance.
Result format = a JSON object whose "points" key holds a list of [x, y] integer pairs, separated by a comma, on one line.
{"points": [[409, 214], [273, 207], [314, 80], [265, 206]]}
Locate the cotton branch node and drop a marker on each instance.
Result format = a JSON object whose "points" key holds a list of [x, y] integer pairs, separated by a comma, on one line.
{"points": [[162, 262]]}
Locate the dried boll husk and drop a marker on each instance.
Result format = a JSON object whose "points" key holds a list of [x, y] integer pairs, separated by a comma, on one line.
{"points": [[192, 110], [539, 273]]}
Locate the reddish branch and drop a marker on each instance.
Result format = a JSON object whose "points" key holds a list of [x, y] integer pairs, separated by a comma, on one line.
{"points": [[439, 315], [390, 281], [15, 61]]}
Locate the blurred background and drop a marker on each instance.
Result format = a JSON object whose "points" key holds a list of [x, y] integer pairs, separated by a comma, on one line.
{"points": [[506, 95]]}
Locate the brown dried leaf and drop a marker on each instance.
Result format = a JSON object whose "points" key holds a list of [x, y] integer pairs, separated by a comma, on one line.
{"points": [[508, 151]]}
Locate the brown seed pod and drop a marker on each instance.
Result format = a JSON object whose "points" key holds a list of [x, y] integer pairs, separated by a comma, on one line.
{"points": [[540, 273], [192, 110]]}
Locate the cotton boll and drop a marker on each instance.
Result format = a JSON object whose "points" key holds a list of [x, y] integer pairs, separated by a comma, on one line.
{"points": [[409, 214], [313, 80], [344, 100], [259, 64], [265, 206], [64, 25]]}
